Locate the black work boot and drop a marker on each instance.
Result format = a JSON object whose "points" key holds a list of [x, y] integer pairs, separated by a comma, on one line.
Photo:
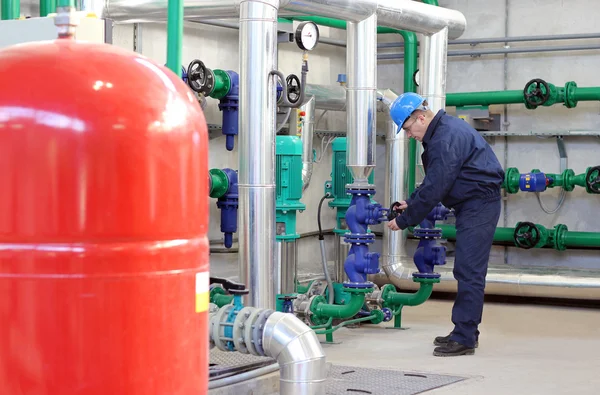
{"points": [[443, 340], [453, 349]]}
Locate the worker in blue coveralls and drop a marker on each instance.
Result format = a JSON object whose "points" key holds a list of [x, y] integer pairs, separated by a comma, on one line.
{"points": [[463, 173]]}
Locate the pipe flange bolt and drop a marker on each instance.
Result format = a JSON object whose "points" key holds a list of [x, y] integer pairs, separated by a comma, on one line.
{"points": [[248, 331], [239, 324], [257, 331]]}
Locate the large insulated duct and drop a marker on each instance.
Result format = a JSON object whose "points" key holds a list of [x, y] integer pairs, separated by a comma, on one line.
{"points": [[361, 93], [514, 281], [283, 336], [256, 178], [397, 14], [396, 188]]}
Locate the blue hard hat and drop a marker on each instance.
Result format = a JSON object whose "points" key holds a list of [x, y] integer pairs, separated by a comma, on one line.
{"points": [[404, 106]]}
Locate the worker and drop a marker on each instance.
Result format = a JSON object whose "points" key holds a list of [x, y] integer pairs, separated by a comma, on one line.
{"points": [[463, 173]]}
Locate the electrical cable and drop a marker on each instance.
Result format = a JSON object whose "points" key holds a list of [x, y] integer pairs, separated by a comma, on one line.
{"points": [[330, 298]]}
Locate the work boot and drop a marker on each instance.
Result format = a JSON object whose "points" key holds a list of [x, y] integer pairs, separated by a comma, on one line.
{"points": [[443, 340], [453, 349]]}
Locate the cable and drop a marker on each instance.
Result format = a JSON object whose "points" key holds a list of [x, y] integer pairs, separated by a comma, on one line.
{"points": [[287, 117], [561, 200], [330, 298]]}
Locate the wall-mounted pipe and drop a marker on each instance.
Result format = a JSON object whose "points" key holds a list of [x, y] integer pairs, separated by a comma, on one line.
{"points": [[500, 51], [256, 180], [306, 136], [174, 35]]}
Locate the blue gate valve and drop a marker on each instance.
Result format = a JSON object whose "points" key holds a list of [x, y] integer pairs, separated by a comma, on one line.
{"points": [[430, 252], [362, 213], [228, 204]]}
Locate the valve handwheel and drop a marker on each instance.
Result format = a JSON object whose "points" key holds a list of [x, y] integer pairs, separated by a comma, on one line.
{"points": [[534, 94], [200, 78], [393, 213], [526, 235], [293, 88], [592, 179]]}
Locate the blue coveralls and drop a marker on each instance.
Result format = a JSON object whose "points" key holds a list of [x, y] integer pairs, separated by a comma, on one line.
{"points": [[463, 173]]}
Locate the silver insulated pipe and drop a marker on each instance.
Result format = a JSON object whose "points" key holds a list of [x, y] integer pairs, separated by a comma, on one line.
{"points": [[282, 336], [396, 188], [256, 216], [397, 14], [361, 93]]}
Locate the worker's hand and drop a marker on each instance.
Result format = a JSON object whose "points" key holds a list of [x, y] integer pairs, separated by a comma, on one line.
{"points": [[400, 205], [392, 225]]}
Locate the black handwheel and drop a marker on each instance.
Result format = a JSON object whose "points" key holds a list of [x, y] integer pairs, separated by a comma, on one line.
{"points": [[293, 88], [526, 235], [393, 213], [534, 94], [200, 78], [592, 179]]}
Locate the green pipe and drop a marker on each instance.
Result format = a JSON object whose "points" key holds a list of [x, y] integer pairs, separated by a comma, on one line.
{"points": [[582, 239], [174, 35], [503, 235], [322, 309], [484, 98], [587, 94], [11, 9], [566, 180], [345, 323], [47, 7], [394, 299], [559, 238], [65, 3]]}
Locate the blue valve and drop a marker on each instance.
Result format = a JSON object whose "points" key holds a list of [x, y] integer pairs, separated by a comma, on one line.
{"points": [[534, 182], [430, 252], [362, 213]]}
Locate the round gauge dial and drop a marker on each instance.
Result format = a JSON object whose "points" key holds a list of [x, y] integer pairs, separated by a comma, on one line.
{"points": [[307, 36]]}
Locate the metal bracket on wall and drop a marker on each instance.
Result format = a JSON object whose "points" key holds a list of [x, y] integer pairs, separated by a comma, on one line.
{"points": [[562, 152]]}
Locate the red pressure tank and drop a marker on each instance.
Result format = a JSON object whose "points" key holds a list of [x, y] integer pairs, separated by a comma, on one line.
{"points": [[103, 223]]}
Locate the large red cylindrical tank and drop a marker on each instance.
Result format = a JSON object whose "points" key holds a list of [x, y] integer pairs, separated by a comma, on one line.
{"points": [[103, 222]]}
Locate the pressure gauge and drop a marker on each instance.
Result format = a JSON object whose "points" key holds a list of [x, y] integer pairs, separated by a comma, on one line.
{"points": [[307, 36]]}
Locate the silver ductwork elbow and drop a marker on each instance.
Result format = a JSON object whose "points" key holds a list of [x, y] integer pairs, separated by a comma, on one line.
{"points": [[300, 355], [282, 336]]}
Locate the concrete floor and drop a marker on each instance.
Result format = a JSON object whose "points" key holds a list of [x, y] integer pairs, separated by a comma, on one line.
{"points": [[524, 349]]}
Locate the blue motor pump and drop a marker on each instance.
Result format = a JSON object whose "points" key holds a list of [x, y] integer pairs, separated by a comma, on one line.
{"points": [[430, 252]]}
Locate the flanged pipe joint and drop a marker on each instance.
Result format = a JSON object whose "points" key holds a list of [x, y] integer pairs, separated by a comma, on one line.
{"points": [[223, 185], [537, 181], [538, 92], [430, 252], [222, 85], [362, 213]]}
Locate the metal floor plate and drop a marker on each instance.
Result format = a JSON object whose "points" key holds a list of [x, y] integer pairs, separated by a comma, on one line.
{"points": [[347, 380], [351, 380]]}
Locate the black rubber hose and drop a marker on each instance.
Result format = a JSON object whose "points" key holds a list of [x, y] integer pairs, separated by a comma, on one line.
{"points": [[321, 237]]}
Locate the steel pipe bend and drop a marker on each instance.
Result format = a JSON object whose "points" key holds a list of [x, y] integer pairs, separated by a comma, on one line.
{"points": [[300, 355]]}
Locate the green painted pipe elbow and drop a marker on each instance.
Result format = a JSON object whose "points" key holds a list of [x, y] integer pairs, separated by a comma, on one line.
{"points": [[218, 182], [393, 299], [323, 310]]}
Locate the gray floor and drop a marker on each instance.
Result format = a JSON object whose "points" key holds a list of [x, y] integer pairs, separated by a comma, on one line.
{"points": [[523, 349]]}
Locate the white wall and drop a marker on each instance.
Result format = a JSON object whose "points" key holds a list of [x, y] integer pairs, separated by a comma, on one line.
{"points": [[218, 48]]}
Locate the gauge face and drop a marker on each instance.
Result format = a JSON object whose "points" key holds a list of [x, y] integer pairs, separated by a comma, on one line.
{"points": [[307, 36]]}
